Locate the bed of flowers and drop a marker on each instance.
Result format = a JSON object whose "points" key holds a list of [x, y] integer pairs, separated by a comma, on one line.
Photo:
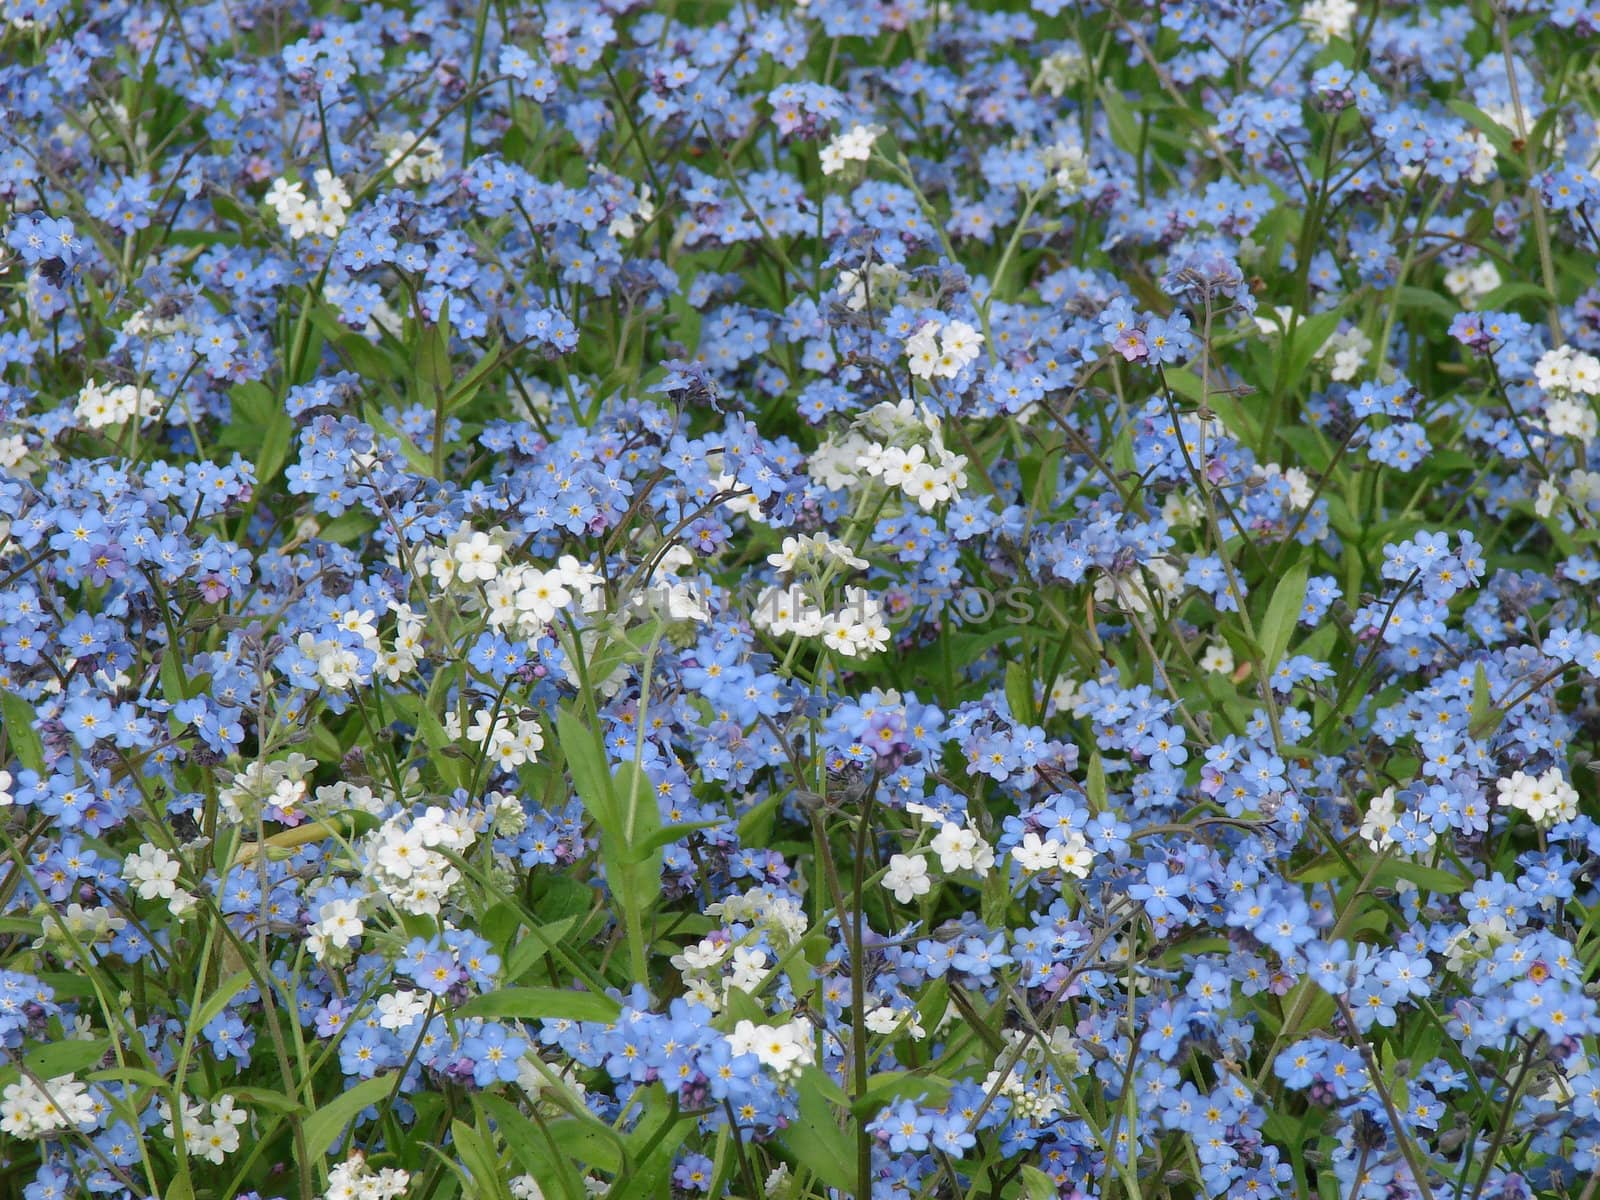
{"points": [[835, 598]]}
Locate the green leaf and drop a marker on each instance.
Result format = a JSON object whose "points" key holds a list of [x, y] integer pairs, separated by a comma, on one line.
{"points": [[455, 770], [174, 678], [1095, 784], [323, 1127], [347, 527], [352, 346], [1123, 124], [1283, 610], [931, 1008], [263, 427], [668, 834], [1508, 294], [885, 1089], [1485, 717], [257, 1097], [535, 943], [589, 1141], [480, 1165], [634, 870], [654, 1142], [591, 775], [1308, 445], [1019, 692], [1427, 300], [415, 458], [567, 899], [755, 826], [532, 1147], [815, 1138], [1308, 337], [1391, 871], [19, 718], [1430, 879], [1036, 1185], [1499, 136], [66, 1057], [538, 1003], [219, 999], [431, 361], [462, 394]]}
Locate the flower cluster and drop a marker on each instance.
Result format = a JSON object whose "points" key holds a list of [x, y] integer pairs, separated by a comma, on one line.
{"points": [[872, 599]]}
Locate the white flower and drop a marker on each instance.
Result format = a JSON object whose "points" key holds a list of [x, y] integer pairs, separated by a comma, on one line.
{"points": [[679, 601], [398, 1010], [1568, 370], [152, 872], [219, 1137], [899, 466], [361, 622], [397, 662], [700, 991], [338, 925], [1379, 820], [402, 856], [543, 594], [299, 215], [961, 343], [1129, 593], [477, 557], [338, 666], [331, 188], [702, 956], [578, 577], [1546, 497], [886, 1020], [872, 634], [1473, 281], [353, 1180], [962, 849], [922, 351], [1218, 659], [414, 160], [1077, 858], [748, 970], [1566, 417], [808, 549], [1061, 70], [28, 1110], [1070, 162], [779, 1047], [878, 284], [936, 354], [854, 146], [441, 565], [98, 407], [1328, 19], [834, 464], [1548, 799], [929, 486], [284, 195], [1036, 854], [907, 878]]}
